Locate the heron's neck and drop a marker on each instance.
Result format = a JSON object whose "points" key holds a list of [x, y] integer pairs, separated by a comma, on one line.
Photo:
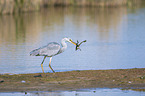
{"points": [[64, 45]]}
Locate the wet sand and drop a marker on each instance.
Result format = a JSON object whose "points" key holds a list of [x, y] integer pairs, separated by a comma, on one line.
{"points": [[73, 80]]}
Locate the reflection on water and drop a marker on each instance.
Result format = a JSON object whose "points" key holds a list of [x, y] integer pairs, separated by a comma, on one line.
{"points": [[115, 39], [20, 28], [95, 92]]}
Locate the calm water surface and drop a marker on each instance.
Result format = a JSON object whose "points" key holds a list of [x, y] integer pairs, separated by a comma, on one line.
{"points": [[94, 92], [115, 39]]}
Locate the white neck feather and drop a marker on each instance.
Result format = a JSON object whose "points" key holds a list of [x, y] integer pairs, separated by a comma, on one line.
{"points": [[64, 45]]}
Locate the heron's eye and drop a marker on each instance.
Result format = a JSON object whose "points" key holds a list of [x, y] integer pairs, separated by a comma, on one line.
{"points": [[70, 40]]}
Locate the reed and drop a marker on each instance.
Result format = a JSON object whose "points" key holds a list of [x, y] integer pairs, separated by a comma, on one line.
{"points": [[17, 6], [98, 3]]}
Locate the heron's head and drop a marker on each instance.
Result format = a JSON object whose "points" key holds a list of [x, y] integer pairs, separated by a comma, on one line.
{"points": [[70, 40]]}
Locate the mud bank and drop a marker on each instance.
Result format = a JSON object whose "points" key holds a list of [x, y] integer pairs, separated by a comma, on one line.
{"points": [[73, 80]]}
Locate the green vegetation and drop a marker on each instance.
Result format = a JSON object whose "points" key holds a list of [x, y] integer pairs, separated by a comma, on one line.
{"points": [[18, 6]]}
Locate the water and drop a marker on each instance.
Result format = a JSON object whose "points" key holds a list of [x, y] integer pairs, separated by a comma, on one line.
{"points": [[115, 39], [92, 92]]}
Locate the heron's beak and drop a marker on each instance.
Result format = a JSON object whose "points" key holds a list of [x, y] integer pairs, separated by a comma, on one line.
{"points": [[72, 42]]}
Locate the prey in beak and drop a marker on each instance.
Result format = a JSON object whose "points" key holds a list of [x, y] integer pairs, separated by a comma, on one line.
{"points": [[78, 45]]}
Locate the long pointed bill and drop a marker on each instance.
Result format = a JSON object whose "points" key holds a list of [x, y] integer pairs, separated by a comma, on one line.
{"points": [[72, 42]]}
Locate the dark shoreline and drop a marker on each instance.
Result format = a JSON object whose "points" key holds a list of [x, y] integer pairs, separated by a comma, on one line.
{"points": [[73, 80]]}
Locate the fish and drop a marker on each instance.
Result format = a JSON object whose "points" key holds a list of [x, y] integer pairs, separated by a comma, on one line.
{"points": [[78, 44]]}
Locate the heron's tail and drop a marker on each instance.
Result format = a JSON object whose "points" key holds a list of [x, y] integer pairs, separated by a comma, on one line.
{"points": [[34, 53]]}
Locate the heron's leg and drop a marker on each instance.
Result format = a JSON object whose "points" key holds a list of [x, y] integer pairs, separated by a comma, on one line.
{"points": [[50, 65], [42, 64]]}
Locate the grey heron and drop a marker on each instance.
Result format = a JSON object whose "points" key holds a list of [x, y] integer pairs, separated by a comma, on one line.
{"points": [[50, 50]]}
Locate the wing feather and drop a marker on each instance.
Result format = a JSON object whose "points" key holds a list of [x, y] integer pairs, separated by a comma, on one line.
{"points": [[49, 50]]}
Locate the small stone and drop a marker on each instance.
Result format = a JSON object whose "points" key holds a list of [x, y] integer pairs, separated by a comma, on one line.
{"points": [[23, 81], [38, 75], [1, 81], [143, 77], [25, 92]]}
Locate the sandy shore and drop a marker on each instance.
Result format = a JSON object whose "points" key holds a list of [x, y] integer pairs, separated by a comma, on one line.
{"points": [[73, 80]]}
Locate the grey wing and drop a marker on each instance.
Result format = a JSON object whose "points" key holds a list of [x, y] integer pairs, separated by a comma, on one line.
{"points": [[49, 50]]}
